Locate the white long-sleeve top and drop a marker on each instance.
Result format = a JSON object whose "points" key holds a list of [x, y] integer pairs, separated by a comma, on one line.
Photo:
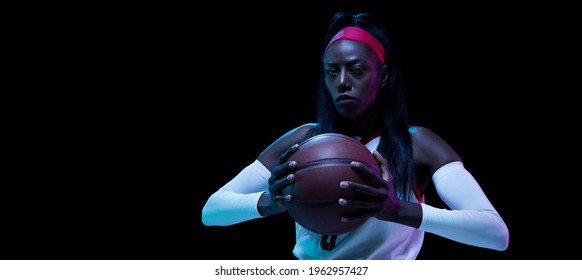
{"points": [[469, 220]]}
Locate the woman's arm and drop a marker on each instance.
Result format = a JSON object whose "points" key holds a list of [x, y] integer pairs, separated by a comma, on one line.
{"points": [[247, 195], [472, 219], [237, 201]]}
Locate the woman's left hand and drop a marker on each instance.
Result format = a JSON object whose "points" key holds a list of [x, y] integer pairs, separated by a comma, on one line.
{"points": [[379, 200]]}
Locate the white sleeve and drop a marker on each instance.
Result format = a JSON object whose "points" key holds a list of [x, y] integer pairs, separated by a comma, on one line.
{"points": [[237, 200], [472, 219]]}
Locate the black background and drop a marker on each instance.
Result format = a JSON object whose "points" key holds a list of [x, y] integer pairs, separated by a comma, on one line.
{"points": [[141, 112]]}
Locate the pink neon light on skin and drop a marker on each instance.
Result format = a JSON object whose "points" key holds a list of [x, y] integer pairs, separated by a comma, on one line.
{"points": [[359, 35]]}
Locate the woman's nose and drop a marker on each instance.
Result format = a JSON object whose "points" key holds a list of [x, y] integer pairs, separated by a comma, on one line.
{"points": [[343, 82]]}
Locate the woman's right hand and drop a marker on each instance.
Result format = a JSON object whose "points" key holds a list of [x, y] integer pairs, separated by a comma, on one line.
{"points": [[281, 176]]}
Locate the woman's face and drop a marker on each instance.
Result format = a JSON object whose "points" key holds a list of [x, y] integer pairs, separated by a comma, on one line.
{"points": [[352, 76]]}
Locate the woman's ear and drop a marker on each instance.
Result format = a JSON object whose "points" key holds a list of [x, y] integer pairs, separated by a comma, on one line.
{"points": [[384, 76]]}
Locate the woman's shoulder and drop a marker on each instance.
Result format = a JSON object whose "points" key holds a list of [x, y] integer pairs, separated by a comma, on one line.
{"points": [[430, 149], [415, 129], [302, 130], [270, 155], [424, 136], [297, 134]]}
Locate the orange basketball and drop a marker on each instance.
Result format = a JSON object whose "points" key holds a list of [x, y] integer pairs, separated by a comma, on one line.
{"points": [[323, 161]]}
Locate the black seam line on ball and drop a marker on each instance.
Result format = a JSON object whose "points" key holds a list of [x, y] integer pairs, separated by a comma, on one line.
{"points": [[327, 161], [312, 202]]}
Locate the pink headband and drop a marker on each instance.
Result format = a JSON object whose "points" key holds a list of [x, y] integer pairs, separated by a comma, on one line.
{"points": [[359, 35]]}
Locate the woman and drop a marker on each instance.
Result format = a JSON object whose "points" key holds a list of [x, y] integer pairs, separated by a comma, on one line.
{"points": [[361, 95]]}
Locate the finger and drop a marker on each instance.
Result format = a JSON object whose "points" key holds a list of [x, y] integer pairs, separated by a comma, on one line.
{"points": [[372, 192], [386, 175], [368, 204], [356, 216], [379, 158], [276, 187], [285, 155], [285, 198], [368, 172], [282, 170]]}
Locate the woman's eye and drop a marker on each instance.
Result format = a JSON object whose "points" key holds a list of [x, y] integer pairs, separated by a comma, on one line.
{"points": [[331, 71], [357, 69]]}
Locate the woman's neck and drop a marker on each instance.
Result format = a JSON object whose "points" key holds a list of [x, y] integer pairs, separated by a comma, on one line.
{"points": [[365, 124]]}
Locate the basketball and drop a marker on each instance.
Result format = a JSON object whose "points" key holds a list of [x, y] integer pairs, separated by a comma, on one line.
{"points": [[323, 161]]}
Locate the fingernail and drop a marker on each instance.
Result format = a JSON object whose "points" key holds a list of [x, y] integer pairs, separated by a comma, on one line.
{"points": [[344, 185], [342, 201], [292, 164], [290, 177]]}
